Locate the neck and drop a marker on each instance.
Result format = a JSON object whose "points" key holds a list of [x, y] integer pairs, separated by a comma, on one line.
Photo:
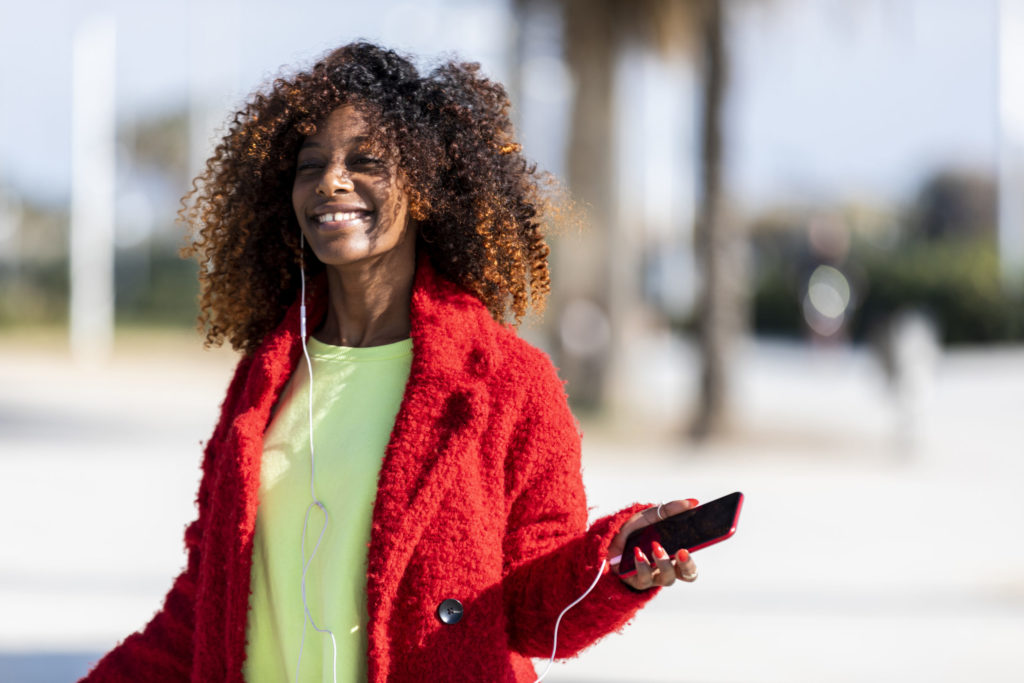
{"points": [[368, 304]]}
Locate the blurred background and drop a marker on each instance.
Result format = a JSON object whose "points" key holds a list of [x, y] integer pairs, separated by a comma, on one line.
{"points": [[801, 276]]}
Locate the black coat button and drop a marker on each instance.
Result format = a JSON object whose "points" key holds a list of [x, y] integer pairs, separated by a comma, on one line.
{"points": [[450, 611]]}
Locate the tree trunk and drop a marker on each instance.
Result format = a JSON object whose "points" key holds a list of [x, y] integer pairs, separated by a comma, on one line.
{"points": [[720, 299], [583, 260]]}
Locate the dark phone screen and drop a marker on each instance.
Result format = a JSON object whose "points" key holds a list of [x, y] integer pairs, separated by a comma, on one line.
{"points": [[692, 529]]}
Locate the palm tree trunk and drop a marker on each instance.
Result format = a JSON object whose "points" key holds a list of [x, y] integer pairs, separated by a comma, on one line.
{"points": [[720, 299], [591, 42]]}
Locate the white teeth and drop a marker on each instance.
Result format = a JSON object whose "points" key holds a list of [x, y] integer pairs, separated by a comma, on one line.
{"points": [[338, 216]]}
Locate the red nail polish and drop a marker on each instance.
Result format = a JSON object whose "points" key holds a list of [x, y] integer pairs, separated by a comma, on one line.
{"points": [[639, 556], [659, 551], [683, 555], [693, 502]]}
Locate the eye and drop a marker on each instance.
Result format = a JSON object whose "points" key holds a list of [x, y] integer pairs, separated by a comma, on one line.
{"points": [[366, 161], [307, 165]]}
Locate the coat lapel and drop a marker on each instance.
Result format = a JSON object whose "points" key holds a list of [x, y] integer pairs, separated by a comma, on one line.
{"points": [[227, 546], [443, 413]]}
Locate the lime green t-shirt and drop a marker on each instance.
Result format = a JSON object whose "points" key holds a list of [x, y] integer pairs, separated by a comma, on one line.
{"points": [[356, 396]]}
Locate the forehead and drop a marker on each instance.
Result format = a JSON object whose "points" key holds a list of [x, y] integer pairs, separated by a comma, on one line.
{"points": [[345, 125]]}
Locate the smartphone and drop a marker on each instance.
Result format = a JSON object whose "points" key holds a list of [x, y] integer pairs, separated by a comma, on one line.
{"points": [[694, 529]]}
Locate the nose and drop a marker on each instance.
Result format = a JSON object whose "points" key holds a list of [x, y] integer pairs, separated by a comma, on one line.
{"points": [[335, 179]]}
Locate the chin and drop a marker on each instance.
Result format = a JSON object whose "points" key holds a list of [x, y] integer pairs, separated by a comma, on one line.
{"points": [[345, 258]]}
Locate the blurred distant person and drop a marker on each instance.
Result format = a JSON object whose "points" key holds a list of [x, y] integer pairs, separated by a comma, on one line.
{"points": [[393, 490]]}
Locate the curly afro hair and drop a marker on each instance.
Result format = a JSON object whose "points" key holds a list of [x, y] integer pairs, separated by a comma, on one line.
{"points": [[479, 203]]}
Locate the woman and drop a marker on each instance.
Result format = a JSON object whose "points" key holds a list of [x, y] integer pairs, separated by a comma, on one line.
{"points": [[402, 500]]}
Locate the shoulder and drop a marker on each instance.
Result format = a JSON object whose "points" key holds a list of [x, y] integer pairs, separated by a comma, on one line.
{"points": [[456, 331], [525, 360], [528, 382]]}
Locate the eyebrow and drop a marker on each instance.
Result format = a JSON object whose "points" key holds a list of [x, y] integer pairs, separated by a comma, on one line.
{"points": [[358, 140]]}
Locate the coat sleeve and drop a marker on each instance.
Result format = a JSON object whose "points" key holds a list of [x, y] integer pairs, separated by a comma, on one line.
{"points": [[551, 558], [162, 651]]}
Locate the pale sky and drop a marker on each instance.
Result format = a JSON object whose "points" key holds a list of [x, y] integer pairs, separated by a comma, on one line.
{"points": [[828, 98], [860, 97], [157, 40]]}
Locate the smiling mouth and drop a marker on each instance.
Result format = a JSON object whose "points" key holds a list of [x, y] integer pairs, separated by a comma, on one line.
{"points": [[340, 218]]}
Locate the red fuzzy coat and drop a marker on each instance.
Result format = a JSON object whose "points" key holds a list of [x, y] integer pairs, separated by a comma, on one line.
{"points": [[479, 499]]}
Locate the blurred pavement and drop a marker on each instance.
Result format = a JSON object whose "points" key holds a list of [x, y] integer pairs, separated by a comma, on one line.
{"points": [[880, 540]]}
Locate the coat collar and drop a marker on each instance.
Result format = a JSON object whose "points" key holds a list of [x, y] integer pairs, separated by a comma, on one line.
{"points": [[452, 334]]}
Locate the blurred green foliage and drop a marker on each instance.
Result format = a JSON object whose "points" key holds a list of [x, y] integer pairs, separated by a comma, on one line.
{"points": [[34, 293], [157, 289], [162, 291], [955, 281]]}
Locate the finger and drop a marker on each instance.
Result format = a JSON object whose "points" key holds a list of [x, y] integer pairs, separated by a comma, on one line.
{"points": [[666, 574], [644, 577], [674, 507], [636, 521], [686, 568]]}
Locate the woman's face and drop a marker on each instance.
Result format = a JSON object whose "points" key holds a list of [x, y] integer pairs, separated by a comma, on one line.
{"points": [[348, 198]]}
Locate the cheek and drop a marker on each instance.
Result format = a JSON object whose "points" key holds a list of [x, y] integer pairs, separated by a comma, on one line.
{"points": [[296, 198], [397, 199], [392, 203]]}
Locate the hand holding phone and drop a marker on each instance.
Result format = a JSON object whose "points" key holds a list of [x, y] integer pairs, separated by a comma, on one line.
{"points": [[693, 529]]}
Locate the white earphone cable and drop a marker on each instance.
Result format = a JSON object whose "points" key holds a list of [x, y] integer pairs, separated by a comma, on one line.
{"points": [[554, 648], [307, 616]]}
